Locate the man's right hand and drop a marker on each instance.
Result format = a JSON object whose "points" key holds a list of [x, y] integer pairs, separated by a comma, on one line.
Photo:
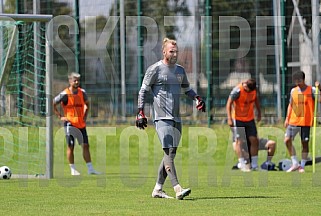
{"points": [[141, 120], [64, 118], [230, 122], [286, 123]]}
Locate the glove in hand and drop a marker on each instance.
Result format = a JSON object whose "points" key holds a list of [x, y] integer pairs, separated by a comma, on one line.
{"points": [[200, 104], [141, 120]]}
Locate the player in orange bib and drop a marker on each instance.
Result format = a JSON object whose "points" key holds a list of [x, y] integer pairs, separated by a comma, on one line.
{"points": [[75, 104], [240, 117], [299, 119]]}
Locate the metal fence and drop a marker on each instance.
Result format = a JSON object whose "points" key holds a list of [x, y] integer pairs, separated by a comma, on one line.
{"points": [[221, 42]]}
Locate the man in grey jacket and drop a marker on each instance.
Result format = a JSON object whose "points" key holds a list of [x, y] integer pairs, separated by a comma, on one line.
{"points": [[165, 80]]}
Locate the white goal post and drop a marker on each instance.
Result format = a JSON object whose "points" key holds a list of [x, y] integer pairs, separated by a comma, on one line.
{"points": [[29, 78]]}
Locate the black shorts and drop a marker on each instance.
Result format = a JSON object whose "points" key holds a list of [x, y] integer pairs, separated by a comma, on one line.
{"points": [[244, 130], [72, 132]]}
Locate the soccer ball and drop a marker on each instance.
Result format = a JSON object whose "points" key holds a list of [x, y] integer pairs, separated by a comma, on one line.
{"points": [[285, 164], [5, 172]]}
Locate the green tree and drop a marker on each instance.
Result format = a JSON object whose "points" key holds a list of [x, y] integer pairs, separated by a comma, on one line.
{"points": [[10, 6], [157, 10]]}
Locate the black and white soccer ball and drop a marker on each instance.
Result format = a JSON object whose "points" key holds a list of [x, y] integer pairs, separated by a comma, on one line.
{"points": [[5, 172], [285, 164]]}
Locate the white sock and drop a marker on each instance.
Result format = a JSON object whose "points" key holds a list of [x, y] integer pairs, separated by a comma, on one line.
{"points": [[294, 160], [89, 166], [177, 188], [303, 161], [72, 166], [254, 161], [241, 161], [158, 186]]}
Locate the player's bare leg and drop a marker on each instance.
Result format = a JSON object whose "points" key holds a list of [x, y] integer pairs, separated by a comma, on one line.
{"points": [[70, 154], [304, 155], [87, 158], [86, 153], [239, 153], [270, 149], [254, 148], [292, 152], [71, 160]]}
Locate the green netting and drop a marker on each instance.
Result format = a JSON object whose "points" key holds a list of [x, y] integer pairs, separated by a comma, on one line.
{"points": [[23, 120], [7, 36]]}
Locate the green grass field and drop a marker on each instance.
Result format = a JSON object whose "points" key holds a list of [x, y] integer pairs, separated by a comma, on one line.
{"points": [[129, 159]]}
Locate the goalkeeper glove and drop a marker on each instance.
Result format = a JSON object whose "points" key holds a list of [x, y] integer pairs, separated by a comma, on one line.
{"points": [[200, 104], [141, 120]]}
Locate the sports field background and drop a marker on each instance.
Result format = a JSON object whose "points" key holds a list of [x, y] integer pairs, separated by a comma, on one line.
{"points": [[130, 174], [128, 157]]}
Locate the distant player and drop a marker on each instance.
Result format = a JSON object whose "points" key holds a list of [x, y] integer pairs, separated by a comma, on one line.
{"points": [[240, 117], [75, 104], [264, 144], [165, 80], [299, 119]]}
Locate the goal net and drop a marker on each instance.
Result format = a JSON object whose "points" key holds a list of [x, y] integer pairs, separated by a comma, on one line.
{"points": [[25, 122]]}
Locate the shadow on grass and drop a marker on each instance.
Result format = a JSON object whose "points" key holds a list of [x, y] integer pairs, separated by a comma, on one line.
{"points": [[126, 175], [231, 197]]}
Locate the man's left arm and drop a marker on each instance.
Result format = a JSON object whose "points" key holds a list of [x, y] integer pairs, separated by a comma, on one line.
{"points": [[86, 107], [314, 88], [258, 108], [200, 103]]}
